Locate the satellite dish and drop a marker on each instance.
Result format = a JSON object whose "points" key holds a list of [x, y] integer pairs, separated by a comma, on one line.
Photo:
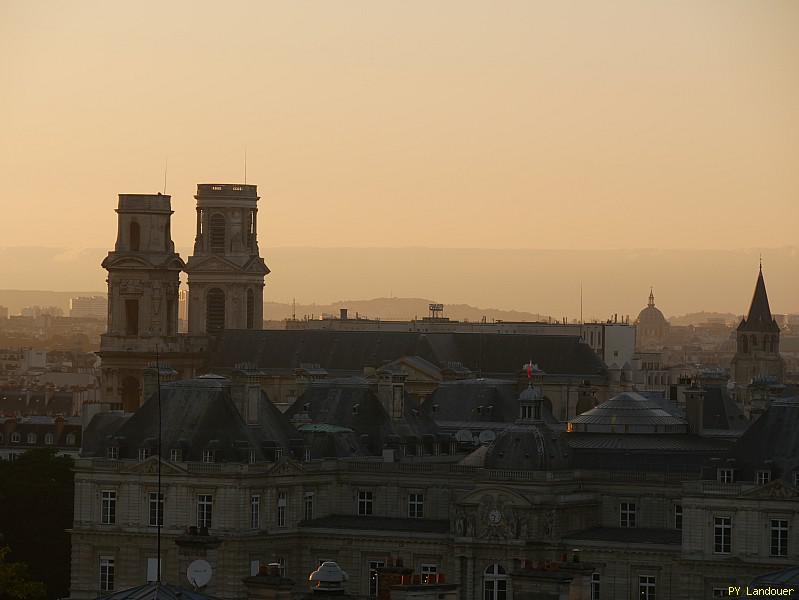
{"points": [[199, 573], [487, 436]]}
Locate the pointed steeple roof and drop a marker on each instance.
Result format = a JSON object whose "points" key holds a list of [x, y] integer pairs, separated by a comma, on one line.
{"points": [[651, 297], [759, 317]]}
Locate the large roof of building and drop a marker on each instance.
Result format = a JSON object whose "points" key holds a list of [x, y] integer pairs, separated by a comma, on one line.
{"points": [[528, 447], [629, 412], [352, 404], [478, 401], [651, 315], [350, 351], [759, 317], [199, 414], [771, 442], [156, 591]]}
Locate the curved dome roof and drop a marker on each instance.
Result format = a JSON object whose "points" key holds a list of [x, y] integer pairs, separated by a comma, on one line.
{"points": [[651, 315], [527, 447], [629, 412]]}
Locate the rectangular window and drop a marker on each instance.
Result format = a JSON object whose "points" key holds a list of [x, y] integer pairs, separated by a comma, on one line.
{"points": [[281, 509], [726, 475], [595, 580], [176, 455], [428, 572], [416, 506], [205, 505], [209, 456], [722, 528], [112, 452], [527, 411], [796, 479], [108, 508], [779, 537], [153, 567], [365, 503], [144, 453], [646, 587], [251, 458], [255, 567], [106, 574], [721, 592], [678, 516], [763, 477], [374, 565], [306, 455], [397, 401], [156, 509], [308, 506], [255, 512], [627, 514]]}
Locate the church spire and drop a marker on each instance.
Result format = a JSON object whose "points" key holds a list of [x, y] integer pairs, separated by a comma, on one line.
{"points": [[651, 298], [759, 317]]}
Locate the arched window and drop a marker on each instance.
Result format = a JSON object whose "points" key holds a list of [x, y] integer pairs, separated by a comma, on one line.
{"points": [[250, 309], [135, 236], [15, 438], [31, 438], [48, 439], [495, 583], [215, 310], [70, 439], [217, 234]]}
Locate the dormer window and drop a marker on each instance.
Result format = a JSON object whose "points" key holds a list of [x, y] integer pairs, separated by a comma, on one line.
{"points": [[176, 455], [209, 456], [763, 477], [725, 475], [112, 452], [278, 454], [143, 454]]}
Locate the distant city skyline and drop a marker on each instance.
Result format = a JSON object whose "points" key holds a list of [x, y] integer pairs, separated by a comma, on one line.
{"points": [[535, 281]]}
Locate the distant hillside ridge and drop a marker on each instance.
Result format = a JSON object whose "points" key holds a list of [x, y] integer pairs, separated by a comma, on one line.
{"points": [[394, 309]]}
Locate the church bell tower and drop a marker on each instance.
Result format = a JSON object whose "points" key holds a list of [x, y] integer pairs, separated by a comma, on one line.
{"points": [[143, 283], [226, 272]]}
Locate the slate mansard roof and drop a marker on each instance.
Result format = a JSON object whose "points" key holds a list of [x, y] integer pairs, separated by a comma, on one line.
{"points": [[197, 415], [348, 352]]}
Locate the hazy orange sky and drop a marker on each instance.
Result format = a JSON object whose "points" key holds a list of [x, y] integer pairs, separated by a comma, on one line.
{"points": [[447, 124]]}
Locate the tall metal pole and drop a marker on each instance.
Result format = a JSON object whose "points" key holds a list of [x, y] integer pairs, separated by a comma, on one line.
{"points": [[159, 504]]}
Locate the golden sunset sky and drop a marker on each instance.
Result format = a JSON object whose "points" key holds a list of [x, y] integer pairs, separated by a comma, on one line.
{"points": [[574, 125]]}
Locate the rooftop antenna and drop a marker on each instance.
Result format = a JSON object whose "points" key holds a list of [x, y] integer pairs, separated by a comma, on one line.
{"points": [[158, 504], [581, 302], [166, 166]]}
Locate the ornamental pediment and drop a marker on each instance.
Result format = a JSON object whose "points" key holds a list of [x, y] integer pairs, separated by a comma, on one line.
{"points": [[776, 490], [493, 514], [150, 467], [212, 263], [286, 466]]}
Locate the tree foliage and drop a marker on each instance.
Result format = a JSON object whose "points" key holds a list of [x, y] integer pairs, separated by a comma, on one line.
{"points": [[36, 505], [15, 581]]}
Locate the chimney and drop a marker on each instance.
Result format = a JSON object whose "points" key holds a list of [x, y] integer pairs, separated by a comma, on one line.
{"points": [[694, 408]]}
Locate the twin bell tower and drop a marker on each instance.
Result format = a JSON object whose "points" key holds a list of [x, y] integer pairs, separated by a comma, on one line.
{"points": [[225, 285]]}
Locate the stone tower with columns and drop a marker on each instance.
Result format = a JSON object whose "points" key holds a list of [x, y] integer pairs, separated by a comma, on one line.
{"points": [[226, 272], [143, 284]]}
